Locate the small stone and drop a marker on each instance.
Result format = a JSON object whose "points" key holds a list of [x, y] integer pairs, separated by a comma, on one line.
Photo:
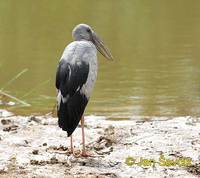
{"points": [[35, 119], [44, 144], [34, 162], [3, 172], [35, 152], [5, 121], [83, 163], [26, 141], [10, 128], [53, 160], [7, 129]]}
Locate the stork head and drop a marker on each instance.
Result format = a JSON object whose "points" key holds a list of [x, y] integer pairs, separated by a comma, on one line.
{"points": [[85, 32]]}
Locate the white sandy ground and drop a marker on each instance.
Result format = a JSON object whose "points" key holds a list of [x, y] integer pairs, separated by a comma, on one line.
{"points": [[36, 147]]}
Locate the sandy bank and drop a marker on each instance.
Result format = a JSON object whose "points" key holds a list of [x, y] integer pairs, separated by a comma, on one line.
{"points": [[35, 146]]}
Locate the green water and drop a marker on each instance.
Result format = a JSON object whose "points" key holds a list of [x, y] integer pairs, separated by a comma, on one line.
{"points": [[156, 46]]}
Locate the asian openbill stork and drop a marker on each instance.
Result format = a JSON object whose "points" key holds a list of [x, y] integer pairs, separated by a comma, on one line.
{"points": [[75, 78]]}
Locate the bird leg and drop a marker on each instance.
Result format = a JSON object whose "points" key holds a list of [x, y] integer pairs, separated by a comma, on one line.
{"points": [[71, 145], [84, 153], [83, 136]]}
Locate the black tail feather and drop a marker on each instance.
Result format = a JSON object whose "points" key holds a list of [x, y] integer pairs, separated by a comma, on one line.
{"points": [[70, 112]]}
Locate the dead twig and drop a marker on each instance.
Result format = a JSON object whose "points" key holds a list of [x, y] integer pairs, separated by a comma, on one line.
{"points": [[14, 98]]}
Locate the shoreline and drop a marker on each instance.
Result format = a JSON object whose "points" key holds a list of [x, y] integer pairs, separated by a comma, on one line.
{"points": [[36, 146]]}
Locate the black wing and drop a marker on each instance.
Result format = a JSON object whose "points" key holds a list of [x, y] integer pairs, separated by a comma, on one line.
{"points": [[70, 77], [69, 81]]}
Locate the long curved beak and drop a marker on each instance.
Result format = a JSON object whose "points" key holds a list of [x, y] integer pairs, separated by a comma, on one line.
{"points": [[101, 46]]}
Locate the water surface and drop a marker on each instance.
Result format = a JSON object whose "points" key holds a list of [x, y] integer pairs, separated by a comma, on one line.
{"points": [[156, 46]]}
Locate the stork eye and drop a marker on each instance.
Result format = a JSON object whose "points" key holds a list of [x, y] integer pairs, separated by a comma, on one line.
{"points": [[88, 30]]}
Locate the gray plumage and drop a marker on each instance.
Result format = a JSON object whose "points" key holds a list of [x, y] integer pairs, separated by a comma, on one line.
{"points": [[76, 75]]}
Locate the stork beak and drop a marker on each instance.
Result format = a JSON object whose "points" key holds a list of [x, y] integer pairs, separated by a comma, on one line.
{"points": [[101, 46]]}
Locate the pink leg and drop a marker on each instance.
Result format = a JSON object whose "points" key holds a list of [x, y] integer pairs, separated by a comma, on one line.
{"points": [[84, 153], [83, 136], [71, 145]]}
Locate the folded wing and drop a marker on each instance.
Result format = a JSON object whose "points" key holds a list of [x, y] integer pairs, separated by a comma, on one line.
{"points": [[70, 78]]}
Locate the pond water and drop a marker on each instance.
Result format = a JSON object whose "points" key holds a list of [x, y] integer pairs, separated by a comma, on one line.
{"points": [[156, 46]]}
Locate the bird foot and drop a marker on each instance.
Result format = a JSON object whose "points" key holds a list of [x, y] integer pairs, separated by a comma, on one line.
{"points": [[75, 153], [79, 153], [87, 154]]}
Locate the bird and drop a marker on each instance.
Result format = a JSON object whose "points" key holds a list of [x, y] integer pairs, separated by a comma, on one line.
{"points": [[75, 78]]}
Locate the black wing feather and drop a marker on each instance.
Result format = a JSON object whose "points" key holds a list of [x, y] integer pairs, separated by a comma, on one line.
{"points": [[71, 77], [69, 80]]}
